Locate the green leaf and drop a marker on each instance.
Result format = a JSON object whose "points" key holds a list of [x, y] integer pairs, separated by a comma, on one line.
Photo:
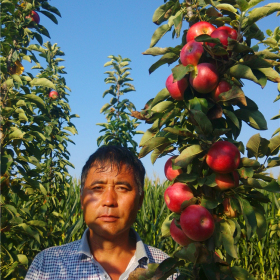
{"points": [[178, 20], [74, 229], [187, 155], [155, 51], [16, 133], [235, 95], [163, 106], [29, 231], [186, 178], [160, 13], [50, 8], [6, 161], [259, 13], [180, 71], [50, 16], [249, 162], [273, 187], [17, 78], [249, 216], [246, 172], [243, 5], [22, 259], [165, 227], [200, 120], [105, 107], [257, 146], [226, 7], [255, 62], [37, 223], [152, 144], [162, 95], [254, 119], [240, 273], [169, 58], [158, 34], [72, 129], [261, 223], [271, 74], [231, 115], [158, 151], [36, 47], [227, 230], [206, 38], [253, 3], [40, 41], [209, 202], [242, 71], [43, 82], [274, 144], [199, 104]]}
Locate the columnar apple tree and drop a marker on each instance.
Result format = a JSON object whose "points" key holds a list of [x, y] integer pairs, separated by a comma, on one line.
{"points": [[121, 126], [35, 126], [217, 182]]}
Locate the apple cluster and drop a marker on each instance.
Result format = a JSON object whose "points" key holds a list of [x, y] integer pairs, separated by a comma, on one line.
{"points": [[205, 77], [223, 158], [196, 222]]}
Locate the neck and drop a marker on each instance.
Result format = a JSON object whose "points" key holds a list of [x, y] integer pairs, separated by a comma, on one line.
{"points": [[111, 247]]}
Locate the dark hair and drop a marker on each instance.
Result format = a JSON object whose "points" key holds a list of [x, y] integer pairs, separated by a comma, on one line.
{"points": [[116, 156]]}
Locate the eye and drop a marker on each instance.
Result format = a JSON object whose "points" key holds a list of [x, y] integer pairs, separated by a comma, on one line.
{"points": [[123, 188], [97, 188]]}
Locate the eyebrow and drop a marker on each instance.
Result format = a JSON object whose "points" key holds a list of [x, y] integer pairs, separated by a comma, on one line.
{"points": [[95, 182]]}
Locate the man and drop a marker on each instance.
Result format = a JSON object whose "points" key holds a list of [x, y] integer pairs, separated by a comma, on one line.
{"points": [[111, 194]]}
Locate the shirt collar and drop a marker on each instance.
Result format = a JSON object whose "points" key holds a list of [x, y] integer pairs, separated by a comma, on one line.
{"points": [[139, 253]]}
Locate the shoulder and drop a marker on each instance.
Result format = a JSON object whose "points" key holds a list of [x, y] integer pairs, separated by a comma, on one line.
{"points": [[68, 250], [155, 255], [52, 260]]}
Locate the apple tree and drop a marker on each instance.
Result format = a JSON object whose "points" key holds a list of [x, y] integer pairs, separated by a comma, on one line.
{"points": [[120, 127], [217, 182], [35, 130]]}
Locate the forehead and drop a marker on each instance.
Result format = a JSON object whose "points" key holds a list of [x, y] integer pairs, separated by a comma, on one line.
{"points": [[111, 170]]}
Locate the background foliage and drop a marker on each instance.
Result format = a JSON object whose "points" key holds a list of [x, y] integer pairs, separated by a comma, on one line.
{"points": [[35, 183], [120, 127]]}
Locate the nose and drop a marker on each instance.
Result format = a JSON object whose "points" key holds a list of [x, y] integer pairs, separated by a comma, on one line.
{"points": [[110, 198]]}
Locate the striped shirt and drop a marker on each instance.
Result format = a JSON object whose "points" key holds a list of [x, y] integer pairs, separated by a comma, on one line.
{"points": [[75, 261]]}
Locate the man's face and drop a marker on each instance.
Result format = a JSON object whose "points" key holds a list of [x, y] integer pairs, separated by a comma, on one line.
{"points": [[110, 201]]}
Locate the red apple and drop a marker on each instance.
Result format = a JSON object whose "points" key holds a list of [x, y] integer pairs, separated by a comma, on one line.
{"points": [[176, 88], [223, 157], [197, 223], [34, 17], [228, 211], [53, 94], [191, 53], [178, 235], [232, 33], [199, 28], [169, 172], [223, 33], [227, 181], [205, 79], [175, 195], [223, 86]]}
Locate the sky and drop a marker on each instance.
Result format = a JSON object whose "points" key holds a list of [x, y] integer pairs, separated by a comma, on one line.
{"points": [[89, 31]]}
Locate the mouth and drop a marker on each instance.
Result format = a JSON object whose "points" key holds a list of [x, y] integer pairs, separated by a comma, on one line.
{"points": [[108, 218]]}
